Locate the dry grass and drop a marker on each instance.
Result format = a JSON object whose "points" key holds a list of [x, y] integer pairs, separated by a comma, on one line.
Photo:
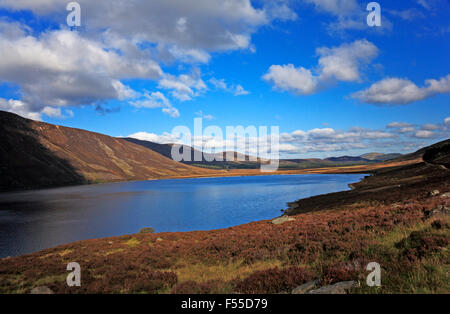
{"points": [[224, 271]]}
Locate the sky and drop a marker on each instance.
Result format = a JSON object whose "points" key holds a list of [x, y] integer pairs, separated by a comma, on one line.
{"points": [[332, 84]]}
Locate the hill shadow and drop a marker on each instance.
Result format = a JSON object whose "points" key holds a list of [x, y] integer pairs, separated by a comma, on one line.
{"points": [[25, 163]]}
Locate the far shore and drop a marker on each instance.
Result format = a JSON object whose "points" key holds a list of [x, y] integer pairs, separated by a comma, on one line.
{"points": [[326, 170]]}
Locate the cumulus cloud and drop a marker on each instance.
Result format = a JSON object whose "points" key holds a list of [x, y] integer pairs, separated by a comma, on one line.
{"points": [[401, 127], [348, 15], [61, 68], [289, 78], [342, 63], [58, 68], [211, 25], [431, 127], [424, 134], [156, 100], [394, 125], [185, 86], [400, 135], [236, 90], [165, 138], [204, 116], [396, 91], [172, 53], [325, 141], [20, 108], [424, 131]]}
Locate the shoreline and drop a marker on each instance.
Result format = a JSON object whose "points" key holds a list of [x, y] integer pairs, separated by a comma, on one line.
{"points": [[283, 213]]}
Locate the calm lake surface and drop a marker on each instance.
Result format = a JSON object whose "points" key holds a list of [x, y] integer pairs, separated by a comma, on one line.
{"points": [[34, 220]]}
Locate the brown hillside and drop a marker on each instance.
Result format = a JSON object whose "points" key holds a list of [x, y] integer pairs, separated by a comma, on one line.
{"points": [[36, 154]]}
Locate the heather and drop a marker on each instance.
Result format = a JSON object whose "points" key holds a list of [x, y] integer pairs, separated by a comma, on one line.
{"points": [[390, 218]]}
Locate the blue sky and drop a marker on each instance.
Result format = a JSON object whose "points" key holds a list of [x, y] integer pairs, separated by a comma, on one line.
{"points": [[333, 85]]}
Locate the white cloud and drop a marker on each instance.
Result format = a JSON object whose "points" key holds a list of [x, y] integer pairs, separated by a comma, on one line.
{"points": [[239, 91], [61, 68], [185, 86], [424, 3], [342, 63], [287, 148], [165, 138], [52, 112], [431, 127], [236, 90], [395, 91], [204, 116], [403, 136], [189, 55], [219, 84], [211, 25], [408, 14], [318, 141], [348, 14], [289, 78], [394, 125], [156, 100], [406, 130], [20, 108], [401, 127], [336, 7], [171, 111], [424, 134], [447, 121]]}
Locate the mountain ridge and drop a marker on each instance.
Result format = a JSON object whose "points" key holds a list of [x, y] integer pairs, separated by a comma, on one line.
{"points": [[245, 161], [37, 154]]}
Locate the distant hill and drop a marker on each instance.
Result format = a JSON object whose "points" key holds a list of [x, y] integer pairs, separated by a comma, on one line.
{"points": [[348, 159], [36, 154], [380, 157], [242, 161]]}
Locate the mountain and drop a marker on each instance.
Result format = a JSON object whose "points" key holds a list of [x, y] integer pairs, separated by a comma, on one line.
{"points": [[348, 159], [36, 154], [165, 149], [380, 156], [242, 161]]}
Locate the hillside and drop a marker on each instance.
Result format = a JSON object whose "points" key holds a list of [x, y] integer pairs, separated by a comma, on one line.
{"points": [[380, 156], [391, 218], [36, 154], [393, 181]]}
